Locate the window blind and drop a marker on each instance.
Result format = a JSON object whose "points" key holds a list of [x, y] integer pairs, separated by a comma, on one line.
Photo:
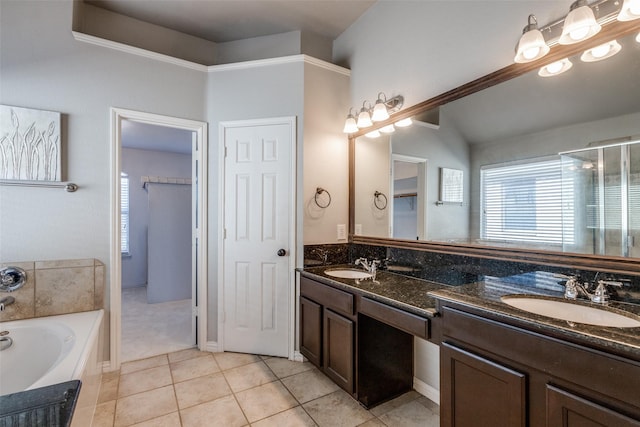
{"points": [[524, 203], [124, 213]]}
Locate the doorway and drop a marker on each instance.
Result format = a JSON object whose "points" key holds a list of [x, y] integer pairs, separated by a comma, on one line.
{"points": [[158, 266], [409, 186]]}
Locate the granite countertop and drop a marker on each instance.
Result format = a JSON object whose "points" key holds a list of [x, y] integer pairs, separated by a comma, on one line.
{"points": [[420, 297], [485, 295], [406, 293]]}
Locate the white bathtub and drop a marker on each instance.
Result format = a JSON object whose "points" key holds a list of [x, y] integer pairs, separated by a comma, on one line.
{"points": [[51, 350]]}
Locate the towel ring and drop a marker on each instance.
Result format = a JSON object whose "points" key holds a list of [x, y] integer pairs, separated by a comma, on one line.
{"points": [[376, 200], [319, 191]]}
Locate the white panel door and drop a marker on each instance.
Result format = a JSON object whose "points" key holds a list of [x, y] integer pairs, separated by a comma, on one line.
{"points": [[257, 224]]}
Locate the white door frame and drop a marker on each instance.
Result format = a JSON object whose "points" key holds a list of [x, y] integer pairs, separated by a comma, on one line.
{"points": [[291, 121], [421, 199], [115, 304]]}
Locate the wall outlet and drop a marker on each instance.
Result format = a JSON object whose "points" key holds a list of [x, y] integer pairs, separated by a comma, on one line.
{"points": [[342, 232], [358, 230]]}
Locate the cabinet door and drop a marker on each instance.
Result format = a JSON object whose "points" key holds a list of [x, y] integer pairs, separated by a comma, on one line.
{"points": [[565, 409], [311, 331], [338, 349], [476, 392]]}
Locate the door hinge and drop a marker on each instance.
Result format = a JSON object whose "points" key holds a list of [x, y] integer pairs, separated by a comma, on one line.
{"points": [[194, 311]]}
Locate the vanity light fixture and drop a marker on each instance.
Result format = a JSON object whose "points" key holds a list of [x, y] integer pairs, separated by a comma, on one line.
{"points": [[531, 45], [555, 68], [380, 111], [364, 118], [388, 129], [580, 24], [604, 51], [404, 122], [350, 125], [629, 11]]}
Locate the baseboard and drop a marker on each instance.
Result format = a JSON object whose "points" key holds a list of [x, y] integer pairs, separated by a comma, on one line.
{"points": [[211, 346], [106, 366], [298, 357], [426, 390]]}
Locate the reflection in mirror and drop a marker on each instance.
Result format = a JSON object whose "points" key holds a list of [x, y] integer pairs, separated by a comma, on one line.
{"points": [[506, 141]]}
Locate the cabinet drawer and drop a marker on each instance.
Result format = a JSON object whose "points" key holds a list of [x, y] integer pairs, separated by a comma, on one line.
{"points": [[337, 300], [402, 320]]}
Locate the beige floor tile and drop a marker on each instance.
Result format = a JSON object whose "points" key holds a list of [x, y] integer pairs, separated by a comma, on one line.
{"points": [[309, 385], [410, 415], [223, 412], [201, 389], [248, 376], [148, 379], [374, 423], [145, 406], [395, 403], [337, 409], [294, 417], [104, 414], [193, 368], [169, 420], [284, 368], [138, 365], [109, 387], [190, 353], [264, 401], [424, 401], [228, 360]]}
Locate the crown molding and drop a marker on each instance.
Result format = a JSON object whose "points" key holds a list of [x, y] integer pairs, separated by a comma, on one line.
{"points": [[279, 61], [98, 41]]}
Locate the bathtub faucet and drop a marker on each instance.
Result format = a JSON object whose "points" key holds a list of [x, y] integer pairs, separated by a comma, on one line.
{"points": [[6, 301]]}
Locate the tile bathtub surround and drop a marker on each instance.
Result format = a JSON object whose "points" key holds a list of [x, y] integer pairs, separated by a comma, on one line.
{"points": [[192, 388], [57, 287]]}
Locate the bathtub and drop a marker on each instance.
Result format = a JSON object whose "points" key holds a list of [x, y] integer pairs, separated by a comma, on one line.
{"points": [[51, 350]]}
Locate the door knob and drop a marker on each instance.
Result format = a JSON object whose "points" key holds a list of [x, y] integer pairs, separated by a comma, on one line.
{"points": [[281, 252]]}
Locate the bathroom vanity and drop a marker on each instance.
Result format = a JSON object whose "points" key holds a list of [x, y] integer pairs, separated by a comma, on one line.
{"points": [[500, 366]]}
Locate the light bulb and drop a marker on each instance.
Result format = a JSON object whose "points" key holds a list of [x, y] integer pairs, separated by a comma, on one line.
{"points": [[404, 122], [531, 53], [638, 38], [555, 68], [629, 11], [604, 51], [579, 33], [372, 134], [388, 129]]}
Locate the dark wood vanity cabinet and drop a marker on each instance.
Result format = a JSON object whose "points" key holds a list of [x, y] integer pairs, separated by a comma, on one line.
{"points": [[495, 374], [327, 328]]}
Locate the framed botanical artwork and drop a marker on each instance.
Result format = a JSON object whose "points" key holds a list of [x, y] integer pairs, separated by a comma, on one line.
{"points": [[30, 144]]}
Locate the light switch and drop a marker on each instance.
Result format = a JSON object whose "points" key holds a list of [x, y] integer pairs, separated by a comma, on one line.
{"points": [[342, 232]]}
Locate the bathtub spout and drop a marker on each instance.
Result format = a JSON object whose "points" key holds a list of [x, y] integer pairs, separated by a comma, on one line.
{"points": [[6, 301]]}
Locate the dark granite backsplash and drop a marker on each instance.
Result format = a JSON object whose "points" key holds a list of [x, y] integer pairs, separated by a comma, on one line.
{"points": [[456, 269]]}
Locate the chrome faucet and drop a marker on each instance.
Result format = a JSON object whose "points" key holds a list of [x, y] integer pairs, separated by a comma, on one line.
{"points": [[573, 289], [6, 301], [370, 266]]}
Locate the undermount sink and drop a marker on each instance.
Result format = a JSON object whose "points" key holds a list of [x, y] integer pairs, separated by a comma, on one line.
{"points": [[348, 273], [566, 310]]}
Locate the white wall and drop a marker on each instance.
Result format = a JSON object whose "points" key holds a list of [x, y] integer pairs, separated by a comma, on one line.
{"points": [[326, 153], [372, 174], [137, 163], [43, 67]]}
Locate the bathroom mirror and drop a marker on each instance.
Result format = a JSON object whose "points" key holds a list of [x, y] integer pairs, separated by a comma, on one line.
{"points": [[490, 126]]}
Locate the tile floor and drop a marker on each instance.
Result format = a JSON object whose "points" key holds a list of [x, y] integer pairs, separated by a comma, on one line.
{"points": [[191, 388], [153, 329]]}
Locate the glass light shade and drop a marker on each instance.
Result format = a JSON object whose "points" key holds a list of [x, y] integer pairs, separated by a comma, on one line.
{"points": [[579, 25], [555, 68], [629, 11], [601, 52], [380, 112], [388, 129], [372, 134], [350, 125], [638, 38], [531, 47], [404, 122], [364, 119]]}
